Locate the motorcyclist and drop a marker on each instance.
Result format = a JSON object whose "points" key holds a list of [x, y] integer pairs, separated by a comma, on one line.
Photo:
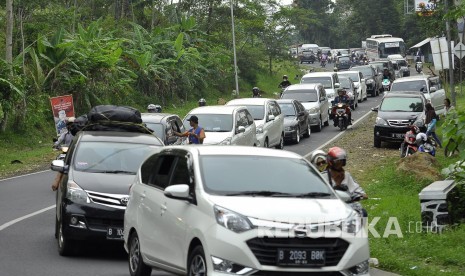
{"points": [[285, 83], [154, 108], [339, 179], [202, 102], [256, 92], [411, 134], [387, 75], [318, 159], [66, 137], [341, 97]]}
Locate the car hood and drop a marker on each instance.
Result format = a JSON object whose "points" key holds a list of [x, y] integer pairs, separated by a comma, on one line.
{"points": [[259, 122], [213, 138], [392, 115], [309, 105], [104, 182], [290, 121], [292, 210]]}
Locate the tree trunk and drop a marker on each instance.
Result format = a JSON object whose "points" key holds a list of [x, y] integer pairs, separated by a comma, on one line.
{"points": [[210, 13], [8, 55]]}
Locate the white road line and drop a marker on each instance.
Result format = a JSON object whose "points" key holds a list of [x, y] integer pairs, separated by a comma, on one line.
{"points": [[10, 223], [5, 179], [338, 135]]}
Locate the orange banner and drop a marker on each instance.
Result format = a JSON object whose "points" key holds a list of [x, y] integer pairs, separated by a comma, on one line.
{"points": [[62, 108]]}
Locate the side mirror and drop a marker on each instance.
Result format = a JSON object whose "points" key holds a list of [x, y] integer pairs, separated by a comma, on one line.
{"points": [[375, 109], [344, 196], [270, 117], [337, 85], [179, 191], [240, 129], [301, 113], [433, 89], [59, 166]]}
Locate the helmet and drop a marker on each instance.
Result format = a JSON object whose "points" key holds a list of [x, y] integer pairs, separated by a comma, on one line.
{"points": [[421, 138], [202, 102], [335, 154], [154, 108], [316, 158], [255, 91], [285, 77]]}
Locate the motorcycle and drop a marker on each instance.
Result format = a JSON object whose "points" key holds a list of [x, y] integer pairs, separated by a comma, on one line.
{"points": [[341, 119], [409, 145], [419, 66], [426, 144], [386, 84], [323, 63]]}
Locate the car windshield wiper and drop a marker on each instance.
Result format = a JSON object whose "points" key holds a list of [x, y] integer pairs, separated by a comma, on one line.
{"points": [[118, 172], [260, 193], [314, 194]]}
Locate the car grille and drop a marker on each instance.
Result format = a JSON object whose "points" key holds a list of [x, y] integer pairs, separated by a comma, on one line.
{"points": [[265, 249], [112, 200], [280, 273], [103, 223], [399, 123]]}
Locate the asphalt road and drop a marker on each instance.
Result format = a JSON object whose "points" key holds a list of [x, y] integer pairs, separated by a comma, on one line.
{"points": [[27, 218]]}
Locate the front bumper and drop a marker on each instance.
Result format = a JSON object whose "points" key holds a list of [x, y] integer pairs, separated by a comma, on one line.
{"points": [[389, 133], [314, 119], [93, 222]]}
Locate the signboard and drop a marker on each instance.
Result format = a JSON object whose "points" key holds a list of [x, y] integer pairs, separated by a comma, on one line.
{"points": [[425, 7], [460, 50], [62, 108], [440, 53], [391, 44]]}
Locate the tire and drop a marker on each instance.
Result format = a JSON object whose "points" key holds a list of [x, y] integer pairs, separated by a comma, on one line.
{"points": [[196, 263], [309, 131], [319, 127], [297, 136], [137, 267], [281, 142], [265, 144], [66, 247], [402, 150], [377, 142], [341, 125], [326, 123]]}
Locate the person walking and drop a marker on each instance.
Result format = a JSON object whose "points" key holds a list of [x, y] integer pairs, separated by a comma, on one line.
{"points": [[430, 121], [195, 134]]}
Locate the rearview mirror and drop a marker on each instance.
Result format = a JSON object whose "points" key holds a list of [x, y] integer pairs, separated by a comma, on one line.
{"points": [[240, 129], [59, 166], [375, 109], [178, 191]]}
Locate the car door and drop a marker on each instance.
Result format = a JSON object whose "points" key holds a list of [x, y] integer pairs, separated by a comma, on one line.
{"points": [[438, 96], [302, 116], [268, 125], [363, 85], [170, 129], [278, 122], [240, 119], [250, 130]]}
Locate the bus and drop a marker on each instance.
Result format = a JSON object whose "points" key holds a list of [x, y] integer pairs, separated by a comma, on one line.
{"points": [[381, 46]]}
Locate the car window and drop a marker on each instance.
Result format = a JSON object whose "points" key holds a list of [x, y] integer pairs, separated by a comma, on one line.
{"points": [[181, 172], [241, 119], [158, 129], [257, 111], [250, 120], [355, 76], [287, 109], [301, 95], [213, 122], [221, 179], [161, 171], [416, 85], [402, 104], [276, 111], [345, 83], [147, 169], [435, 83]]}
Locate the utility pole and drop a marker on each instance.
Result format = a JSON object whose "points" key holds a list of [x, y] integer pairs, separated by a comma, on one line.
{"points": [[450, 57], [234, 49]]}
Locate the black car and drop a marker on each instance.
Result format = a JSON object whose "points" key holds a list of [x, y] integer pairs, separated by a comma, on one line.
{"points": [[372, 79], [97, 173], [380, 65], [308, 57], [396, 113], [164, 125], [296, 120], [343, 62]]}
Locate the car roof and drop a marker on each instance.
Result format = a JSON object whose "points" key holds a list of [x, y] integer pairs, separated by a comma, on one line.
{"points": [[119, 137], [155, 117], [286, 101], [299, 86], [249, 101], [348, 72], [412, 78], [318, 74], [362, 66], [238, 150], [404, 94], [215, 109]]}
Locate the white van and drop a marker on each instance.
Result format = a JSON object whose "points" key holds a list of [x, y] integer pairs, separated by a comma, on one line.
{"points": [[310, 47]]}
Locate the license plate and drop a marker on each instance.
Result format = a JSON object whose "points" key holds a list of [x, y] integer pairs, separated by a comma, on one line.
{"points": [[340, 110], [398, 135], [115, 233], [301, 257]]}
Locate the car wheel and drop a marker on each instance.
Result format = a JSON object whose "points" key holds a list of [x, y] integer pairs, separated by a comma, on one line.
{"points": [[319, 127], [65, 245], [265, 144], [196, 264], [309, 131], [377, 142], [297, 136], [281, 142], [137, 267]]}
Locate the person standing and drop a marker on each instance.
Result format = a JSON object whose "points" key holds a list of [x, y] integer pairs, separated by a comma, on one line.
{"points": [[447, 106], [196, 134], [430, 121]]}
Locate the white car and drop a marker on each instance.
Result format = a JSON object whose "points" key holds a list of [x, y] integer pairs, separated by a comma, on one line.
{"points": [[268, 119], [190, 213], [329, 80], [225, 125], [359, 83]]}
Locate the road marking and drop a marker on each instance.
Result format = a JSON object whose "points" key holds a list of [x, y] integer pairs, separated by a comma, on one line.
{"points": [[337, 136], [14, 177], [10, 223]]}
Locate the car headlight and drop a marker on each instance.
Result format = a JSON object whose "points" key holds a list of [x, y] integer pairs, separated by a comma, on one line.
{"points": [[75, 193], [313, 110], [232, 220], [352, 224], [259, 129], [226, 141], [381, 121]]}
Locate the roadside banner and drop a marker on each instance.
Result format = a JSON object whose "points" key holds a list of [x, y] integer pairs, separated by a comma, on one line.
{"points": [[62, 108], [440, 53]]}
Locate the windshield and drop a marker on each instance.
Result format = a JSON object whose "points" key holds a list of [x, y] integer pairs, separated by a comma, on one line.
{"points": [[326, 81], [158, 129], [344, 59], [212, 122], [301, 95], [287, 109], [353, 76], [418, 85], [257, 111], [402, 104], [366, 71], [108, 157], [391, 48], [379, 66], [264, 173], [345, 83]]}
